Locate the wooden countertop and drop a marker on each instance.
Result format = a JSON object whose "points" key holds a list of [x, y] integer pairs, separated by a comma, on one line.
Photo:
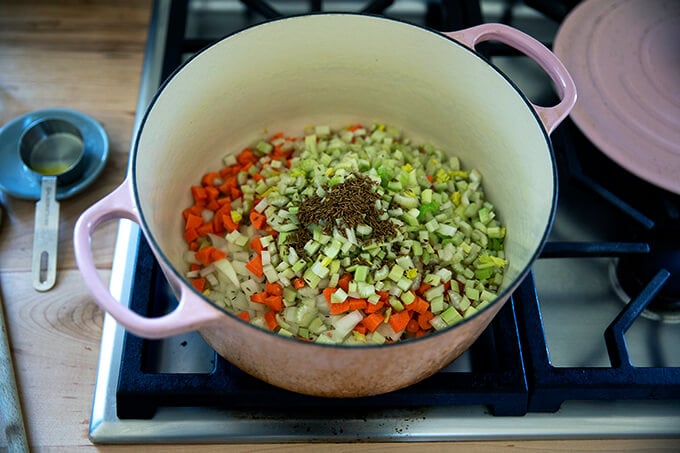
{"points": [[87, 55]]}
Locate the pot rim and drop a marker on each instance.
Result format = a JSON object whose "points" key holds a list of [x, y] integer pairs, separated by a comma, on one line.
{"points": [[502, 295]]}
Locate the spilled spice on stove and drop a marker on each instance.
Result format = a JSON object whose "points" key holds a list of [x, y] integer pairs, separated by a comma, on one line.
{"points": [[345, 205]]}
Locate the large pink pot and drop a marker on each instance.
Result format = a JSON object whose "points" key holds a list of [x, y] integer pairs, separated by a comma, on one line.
{"points": [[334, 69]]}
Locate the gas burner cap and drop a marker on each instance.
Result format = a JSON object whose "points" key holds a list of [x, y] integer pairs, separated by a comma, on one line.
{"points": [[630, 274]]}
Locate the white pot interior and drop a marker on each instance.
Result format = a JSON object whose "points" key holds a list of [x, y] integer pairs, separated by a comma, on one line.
{"points": [[337, 70]]}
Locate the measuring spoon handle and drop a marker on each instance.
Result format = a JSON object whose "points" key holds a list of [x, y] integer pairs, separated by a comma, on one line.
{"points": [[46, 236]]}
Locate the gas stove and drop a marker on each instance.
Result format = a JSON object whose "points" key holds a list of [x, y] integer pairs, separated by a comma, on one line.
{"points": [[586, 347]]}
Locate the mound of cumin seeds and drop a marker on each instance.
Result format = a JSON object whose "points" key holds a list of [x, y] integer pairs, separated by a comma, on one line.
{"points": [[345, 205]]}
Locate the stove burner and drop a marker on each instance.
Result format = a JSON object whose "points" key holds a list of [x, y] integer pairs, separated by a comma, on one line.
{"points": [[632, 273]]}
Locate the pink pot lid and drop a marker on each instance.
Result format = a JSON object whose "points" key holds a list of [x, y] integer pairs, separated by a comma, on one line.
{"points": [[624, 56]]}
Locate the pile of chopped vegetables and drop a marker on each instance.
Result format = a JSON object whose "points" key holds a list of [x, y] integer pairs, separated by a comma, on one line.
{"points": [[352, 236]]}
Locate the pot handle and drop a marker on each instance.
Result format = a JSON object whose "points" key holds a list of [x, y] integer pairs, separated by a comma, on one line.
{"points": [[191, 310], [551, 117]]}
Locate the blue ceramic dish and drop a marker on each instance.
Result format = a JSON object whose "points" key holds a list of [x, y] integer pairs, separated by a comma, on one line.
{"points": [[18, 180]]}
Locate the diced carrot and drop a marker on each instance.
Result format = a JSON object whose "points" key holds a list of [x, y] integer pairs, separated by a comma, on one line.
{"points": [[198, 192], [424, 320], [298, 283], [212, 204], [384, 295], [421, 333], [354, 127], [338, 308], [361, 329], [255, 266], [270, 318], [203, 255], [447, 285], [372, 308], [422, 288], [275, 136], [328, 292], [258, 220], [229, 182], [246, 156], [190, 235], [259, 297], [196, 209], [231, 170], [271, 231], [343, 281], [373, 320], [195, 267], [419, 305], [212, 192], [235, 193], [193, 222], [218, 224], [208, 179], [275, 289], [229, 223], [357, 304], [218, 217], [430, 178], [194, 245], [244, 315], [399, 320], [199, 283], [206, 228], [255, 244], [258, 177], [217, 254], [412, 326], [275, 303]]}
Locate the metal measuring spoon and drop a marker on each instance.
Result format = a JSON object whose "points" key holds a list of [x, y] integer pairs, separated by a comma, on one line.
{"points": [[52, 148]]}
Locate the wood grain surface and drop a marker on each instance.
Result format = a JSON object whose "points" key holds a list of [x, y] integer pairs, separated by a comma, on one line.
{"points": [[87, 55]]}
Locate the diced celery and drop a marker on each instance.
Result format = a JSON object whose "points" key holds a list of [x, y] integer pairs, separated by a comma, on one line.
{"points": [[377, 338], [408, 297], [469, 312], [299, 266], [432, 279], [451, 316], [360, 273], [365, 289], [311, 278], [446, 230], [311, 247], [434, 292], [396, 304], [318, 269], [432, 225], [396, 273], [264, 147], [289, 295], [338, 296], [437, 304], [404, 284]]}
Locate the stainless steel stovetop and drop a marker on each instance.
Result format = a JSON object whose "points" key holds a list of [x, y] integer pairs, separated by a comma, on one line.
{"points": [[577, 303]]}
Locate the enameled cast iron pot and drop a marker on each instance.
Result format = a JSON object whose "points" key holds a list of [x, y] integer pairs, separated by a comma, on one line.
{"points": [[334, 69]]}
